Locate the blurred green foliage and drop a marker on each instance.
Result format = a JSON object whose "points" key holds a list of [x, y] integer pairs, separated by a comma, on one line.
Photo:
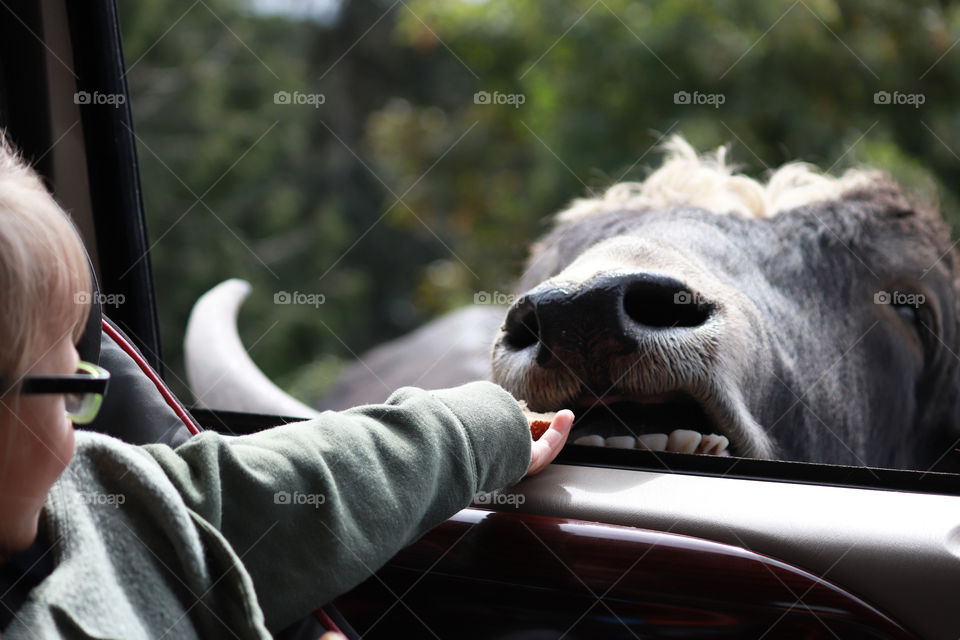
{"points": [[401, 196]]}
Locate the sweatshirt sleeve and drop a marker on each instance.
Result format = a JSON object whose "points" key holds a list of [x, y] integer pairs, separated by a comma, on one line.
{"points": [[313, 508]]}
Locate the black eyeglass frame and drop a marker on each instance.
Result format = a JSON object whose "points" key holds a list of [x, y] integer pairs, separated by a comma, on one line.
{"points": [[82, 392], [69, 383]]}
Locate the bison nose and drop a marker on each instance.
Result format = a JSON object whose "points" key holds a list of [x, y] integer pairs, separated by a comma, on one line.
{"points": [[610, 315]]}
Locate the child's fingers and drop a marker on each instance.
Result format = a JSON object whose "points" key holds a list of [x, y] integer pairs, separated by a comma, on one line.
{"points": [[545, 449], [555, 436]]}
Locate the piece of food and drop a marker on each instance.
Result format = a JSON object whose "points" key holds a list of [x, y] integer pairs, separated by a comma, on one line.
{"points": [[538, 428], [539, 422]]}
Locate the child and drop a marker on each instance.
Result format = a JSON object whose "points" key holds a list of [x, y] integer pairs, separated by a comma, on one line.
{"points": [[224, 536]]}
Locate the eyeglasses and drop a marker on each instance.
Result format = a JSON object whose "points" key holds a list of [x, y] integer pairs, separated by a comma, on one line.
{"points": [[82, 391]]}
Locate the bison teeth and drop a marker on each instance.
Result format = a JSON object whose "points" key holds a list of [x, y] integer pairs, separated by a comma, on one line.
{"points": [[590, 441], [683, 441], [679, 441], [621, 442], [652, 441], [714, 445]]}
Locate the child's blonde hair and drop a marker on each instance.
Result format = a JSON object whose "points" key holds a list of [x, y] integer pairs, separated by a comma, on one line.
{"points": [[44, 273]]}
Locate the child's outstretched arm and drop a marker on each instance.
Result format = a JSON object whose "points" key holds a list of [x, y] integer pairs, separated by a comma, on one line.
{"points": [[315, 507]]}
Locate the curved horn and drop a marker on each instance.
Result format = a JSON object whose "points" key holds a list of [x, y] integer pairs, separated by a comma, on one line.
{"points": [[220, 373]]}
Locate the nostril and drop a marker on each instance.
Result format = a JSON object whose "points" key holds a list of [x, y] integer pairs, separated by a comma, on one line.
{"points": [[657, 305], [521, 328]]}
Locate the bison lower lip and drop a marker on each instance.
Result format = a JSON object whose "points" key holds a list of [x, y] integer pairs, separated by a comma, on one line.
{"points": [[674, 422]]}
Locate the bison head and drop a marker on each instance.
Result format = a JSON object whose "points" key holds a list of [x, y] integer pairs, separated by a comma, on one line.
{"points": [[805, 318]]}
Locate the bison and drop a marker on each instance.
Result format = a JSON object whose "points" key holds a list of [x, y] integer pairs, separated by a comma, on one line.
{"points": [[804, 317]]}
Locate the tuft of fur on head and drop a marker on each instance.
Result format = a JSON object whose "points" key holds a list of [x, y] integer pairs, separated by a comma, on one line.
{"points": [[709, 182], [43, 268]]}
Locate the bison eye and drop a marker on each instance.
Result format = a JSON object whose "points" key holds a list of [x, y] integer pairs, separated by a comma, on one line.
{"points": [[920, 318], [908, 313]]}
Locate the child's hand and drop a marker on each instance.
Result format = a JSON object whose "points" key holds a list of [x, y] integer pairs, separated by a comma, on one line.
{"points": [[546, 448]]}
